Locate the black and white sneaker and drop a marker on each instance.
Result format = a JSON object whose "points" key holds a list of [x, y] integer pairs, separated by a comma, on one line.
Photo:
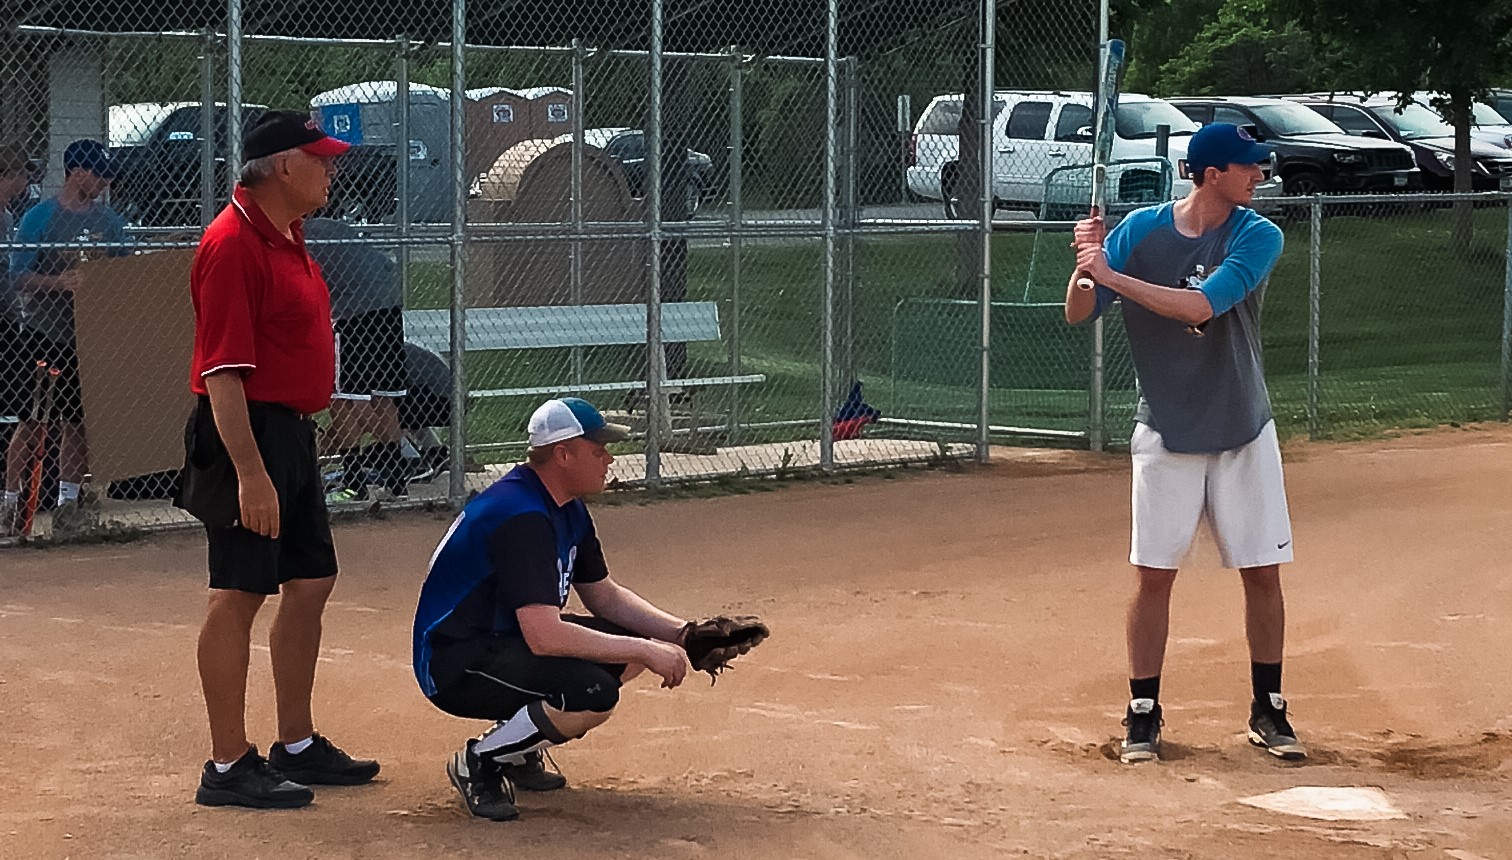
{"points": [[1271, 731], [1142, 732], [530, 773], [482, 784], [321, 763], [251, 783]]}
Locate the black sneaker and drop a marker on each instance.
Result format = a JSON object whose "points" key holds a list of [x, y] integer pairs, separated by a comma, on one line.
{"points": [[1142, 738], [482, 784], [1271, 731], [322, 763], [532, 775], [252, 783]]}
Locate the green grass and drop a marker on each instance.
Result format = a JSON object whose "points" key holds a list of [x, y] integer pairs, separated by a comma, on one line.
{"points": [[1410, 333]]}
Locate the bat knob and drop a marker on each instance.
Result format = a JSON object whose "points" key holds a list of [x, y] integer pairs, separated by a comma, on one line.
{"points": [[1084, 283]]}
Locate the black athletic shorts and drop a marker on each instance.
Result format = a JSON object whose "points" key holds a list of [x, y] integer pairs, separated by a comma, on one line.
{"points": [[240, 559], [370, 355], [68, 397], [492, 678], [15, 374]]}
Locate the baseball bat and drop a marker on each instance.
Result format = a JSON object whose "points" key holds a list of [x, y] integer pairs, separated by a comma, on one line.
{"points": [[1109, 79]]}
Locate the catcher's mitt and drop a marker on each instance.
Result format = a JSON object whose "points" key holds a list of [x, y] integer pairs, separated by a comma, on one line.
{"points": [[713, 642]]}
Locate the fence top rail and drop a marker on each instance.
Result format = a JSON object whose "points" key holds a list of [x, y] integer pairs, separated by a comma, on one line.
{"points": [[564, 50]]}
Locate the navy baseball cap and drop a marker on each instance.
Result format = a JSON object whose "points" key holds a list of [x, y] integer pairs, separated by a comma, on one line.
{"points": [[90, 155], [1220, 144], [282, 130], [568, 418]]}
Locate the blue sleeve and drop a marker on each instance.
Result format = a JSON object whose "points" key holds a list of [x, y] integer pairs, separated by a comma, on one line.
{"points": [[33, 223], [1125, 236], [1253, 252]]}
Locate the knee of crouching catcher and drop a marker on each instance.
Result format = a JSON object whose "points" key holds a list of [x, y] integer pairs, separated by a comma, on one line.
{"points": [[601, 696]]}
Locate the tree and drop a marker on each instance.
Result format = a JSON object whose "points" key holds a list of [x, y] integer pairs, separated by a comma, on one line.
{"points": [[1458, 48], [1240, 52]]}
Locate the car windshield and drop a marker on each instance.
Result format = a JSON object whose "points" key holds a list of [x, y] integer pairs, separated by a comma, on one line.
{"points": [[1287, 119], [1415, 121], [1484, 114], [1139, 119]]}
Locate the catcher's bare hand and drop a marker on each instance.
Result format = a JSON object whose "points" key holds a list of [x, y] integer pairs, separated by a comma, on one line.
{"points": [[259, 504], [668, 661]]}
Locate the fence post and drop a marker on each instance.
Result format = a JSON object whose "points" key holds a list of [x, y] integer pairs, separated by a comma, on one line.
{"points": [[207, 127], [850, 216], [233, 93], [737, 216], [457, 487], [1506, 338], [656, 354], [1314, 313], [579, 101], [831, 156], [986, 68], [402, 162]]}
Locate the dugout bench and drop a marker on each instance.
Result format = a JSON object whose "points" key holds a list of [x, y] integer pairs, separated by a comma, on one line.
{"points": [[566, 326]]}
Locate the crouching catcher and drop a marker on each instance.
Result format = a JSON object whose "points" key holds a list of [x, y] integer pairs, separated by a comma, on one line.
{"points": [[491, 640]]}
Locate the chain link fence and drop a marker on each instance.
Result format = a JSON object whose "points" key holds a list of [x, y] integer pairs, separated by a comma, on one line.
{"points": [[789, 236]]}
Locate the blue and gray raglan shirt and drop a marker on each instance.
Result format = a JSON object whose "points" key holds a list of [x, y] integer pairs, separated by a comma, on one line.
{"points": [[1202, 394], [511, 546]]}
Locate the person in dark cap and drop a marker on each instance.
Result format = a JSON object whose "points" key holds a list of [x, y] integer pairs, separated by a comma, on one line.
{"points": [[263, 365], [45, 280], [1190, 276]]}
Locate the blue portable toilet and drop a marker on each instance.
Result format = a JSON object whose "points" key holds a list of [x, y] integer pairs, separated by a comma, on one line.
{"points": [[367, 114]]}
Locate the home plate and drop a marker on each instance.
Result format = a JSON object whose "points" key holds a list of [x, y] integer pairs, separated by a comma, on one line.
{"points": [[1329, 803]]}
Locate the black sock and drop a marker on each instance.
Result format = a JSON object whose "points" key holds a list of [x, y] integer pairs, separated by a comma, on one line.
{"points": [[1145, 688], [1265, 678]]}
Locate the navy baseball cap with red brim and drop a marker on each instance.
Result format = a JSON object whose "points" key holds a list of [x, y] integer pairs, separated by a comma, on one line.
{"points": [[282, 130]]}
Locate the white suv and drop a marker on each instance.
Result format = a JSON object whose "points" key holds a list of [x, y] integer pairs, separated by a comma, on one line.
{"points": [[1036, 132]]}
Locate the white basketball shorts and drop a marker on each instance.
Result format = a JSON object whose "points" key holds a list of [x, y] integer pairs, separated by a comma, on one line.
{"points": [[1240, 492]]}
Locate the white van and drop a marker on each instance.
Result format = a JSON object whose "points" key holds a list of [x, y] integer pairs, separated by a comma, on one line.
{"points": [[1034, 132]]}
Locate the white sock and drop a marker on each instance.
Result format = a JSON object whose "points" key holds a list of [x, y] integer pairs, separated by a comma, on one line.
{"points": [[67, 492], [525, 732], [299, 746], [222, 768], [12, 498]]}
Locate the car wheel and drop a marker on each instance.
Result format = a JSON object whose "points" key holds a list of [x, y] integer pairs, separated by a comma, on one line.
{"points": [[951, 194], [1304, 184]]}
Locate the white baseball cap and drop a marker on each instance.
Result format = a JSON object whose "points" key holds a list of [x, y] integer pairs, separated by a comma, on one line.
{"points": [[568, 418]]}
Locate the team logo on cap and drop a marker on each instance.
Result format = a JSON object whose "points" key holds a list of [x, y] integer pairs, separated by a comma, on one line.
{"points": [[1245, 135]]}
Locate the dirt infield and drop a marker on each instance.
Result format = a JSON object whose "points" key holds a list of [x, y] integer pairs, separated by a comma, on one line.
{"points": [[944, 677]]}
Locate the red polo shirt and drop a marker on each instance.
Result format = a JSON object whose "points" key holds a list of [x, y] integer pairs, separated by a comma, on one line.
{"points": [[262, 308]]}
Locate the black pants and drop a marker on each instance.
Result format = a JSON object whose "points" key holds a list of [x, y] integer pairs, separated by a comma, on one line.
{"points": [[492, 678]]}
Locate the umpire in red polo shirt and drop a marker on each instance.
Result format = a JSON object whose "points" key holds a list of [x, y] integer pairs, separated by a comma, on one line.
{"points": [[264, 362]]}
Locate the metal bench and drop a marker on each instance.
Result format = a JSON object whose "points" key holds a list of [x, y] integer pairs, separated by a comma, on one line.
{"points": [[573, 326]]}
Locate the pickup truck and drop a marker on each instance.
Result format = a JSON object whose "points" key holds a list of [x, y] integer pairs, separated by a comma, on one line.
{"points": [[159, 146]]}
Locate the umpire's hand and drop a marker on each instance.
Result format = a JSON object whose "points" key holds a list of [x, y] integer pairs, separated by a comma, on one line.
{"points": [[259, 504]]}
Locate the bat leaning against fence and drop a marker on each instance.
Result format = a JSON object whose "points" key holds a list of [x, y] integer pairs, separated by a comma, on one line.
{"points": [[44, 384], [1109, 80]]}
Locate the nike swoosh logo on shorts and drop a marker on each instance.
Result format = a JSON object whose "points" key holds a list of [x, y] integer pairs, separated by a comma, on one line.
{"points": [[1283, 545]]}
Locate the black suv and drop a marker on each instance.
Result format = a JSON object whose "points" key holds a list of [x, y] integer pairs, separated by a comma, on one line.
{"points": [[1313, 156], [1431, 139], [159, 180]]}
